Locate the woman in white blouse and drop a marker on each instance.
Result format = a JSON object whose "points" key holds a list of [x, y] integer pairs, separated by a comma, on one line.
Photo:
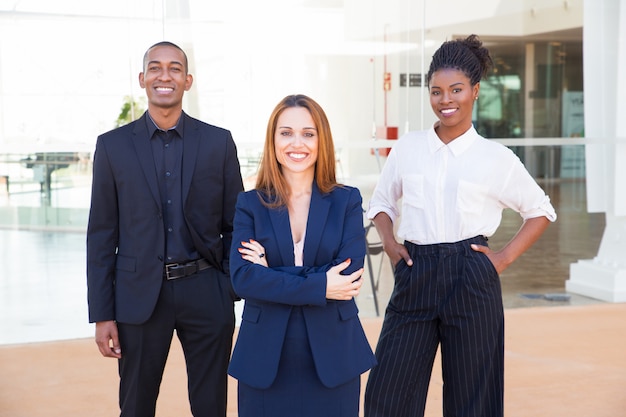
{"points": [[453, 184]]}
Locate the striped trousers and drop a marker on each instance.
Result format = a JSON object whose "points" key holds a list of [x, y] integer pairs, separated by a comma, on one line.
{"points": [[451, 297]]}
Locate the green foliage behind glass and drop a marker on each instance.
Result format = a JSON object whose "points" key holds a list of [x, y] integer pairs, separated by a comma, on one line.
{"points": [[131, 110]]}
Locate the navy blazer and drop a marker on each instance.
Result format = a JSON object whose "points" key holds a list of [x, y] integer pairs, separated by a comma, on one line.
{"points": [[125, 234], [334, 233]]}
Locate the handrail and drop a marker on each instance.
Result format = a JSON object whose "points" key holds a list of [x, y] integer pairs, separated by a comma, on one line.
{"points": [[561, 141]]}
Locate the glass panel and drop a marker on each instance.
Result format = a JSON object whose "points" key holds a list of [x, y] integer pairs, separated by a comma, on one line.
{"points": [[363, 61]]}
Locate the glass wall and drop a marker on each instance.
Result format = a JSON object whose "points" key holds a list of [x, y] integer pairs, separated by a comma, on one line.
{"points": [[536, 91], [69, 71]]}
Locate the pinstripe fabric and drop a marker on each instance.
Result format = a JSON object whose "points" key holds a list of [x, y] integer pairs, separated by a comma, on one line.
{"points": [[451, 296]]}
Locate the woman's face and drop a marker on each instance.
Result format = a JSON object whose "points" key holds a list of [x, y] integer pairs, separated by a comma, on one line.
{"points": [[452, 98], [296, 141]]}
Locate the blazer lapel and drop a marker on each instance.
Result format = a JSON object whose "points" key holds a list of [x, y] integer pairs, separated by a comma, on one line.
{"points": [[141, 141], [318, 213], [282, 231], [191, 148]]}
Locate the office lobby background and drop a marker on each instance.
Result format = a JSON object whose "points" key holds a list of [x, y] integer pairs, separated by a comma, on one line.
{"points": [[69, 71], [68, 68]]}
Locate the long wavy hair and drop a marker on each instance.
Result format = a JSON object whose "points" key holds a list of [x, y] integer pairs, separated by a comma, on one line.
{"points": [[271, 183]]}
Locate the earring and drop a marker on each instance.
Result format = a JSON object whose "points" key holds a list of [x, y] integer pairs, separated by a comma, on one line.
{"points": [[476, 98]]}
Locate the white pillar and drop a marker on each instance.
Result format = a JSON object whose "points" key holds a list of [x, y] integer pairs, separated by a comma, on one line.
{"points": [[604, 43]]}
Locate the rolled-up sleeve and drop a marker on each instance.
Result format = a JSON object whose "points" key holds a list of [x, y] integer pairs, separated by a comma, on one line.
{"points": [[525, 196]]}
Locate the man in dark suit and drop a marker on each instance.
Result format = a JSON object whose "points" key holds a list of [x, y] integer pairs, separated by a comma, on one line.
{"points": [[158, 240]]}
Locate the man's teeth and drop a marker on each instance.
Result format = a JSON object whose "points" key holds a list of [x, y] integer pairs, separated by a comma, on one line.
{"points": [[447, 111]]}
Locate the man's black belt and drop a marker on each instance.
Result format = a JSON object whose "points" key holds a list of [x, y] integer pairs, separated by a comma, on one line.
{"points": [[175, 271]]}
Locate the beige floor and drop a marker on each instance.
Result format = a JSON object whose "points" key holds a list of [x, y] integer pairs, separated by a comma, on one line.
{"points": [[560, 362]]}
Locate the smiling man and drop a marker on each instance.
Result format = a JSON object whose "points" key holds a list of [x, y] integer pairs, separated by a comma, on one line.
{"points": [[160, 227]]}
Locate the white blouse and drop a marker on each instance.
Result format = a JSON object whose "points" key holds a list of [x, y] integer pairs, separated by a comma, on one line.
{"points": [[456, 191], [298, 251]]}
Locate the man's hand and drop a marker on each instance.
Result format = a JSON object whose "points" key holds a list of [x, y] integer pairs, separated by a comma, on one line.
{"points": [[107, 339]]}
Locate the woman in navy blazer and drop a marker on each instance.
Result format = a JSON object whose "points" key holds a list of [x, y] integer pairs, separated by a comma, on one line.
{"points": [[297, 259]]}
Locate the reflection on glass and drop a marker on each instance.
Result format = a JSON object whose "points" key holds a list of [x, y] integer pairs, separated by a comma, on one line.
{"points": [[60, 90]]}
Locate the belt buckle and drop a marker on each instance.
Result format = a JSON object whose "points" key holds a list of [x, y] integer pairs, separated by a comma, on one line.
{"points": [[167, 270], [187, 269]]}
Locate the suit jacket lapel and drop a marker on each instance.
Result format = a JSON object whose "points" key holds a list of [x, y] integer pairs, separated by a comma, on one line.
{"points": [[141, 141], [318, 213], [191, 146], [282, 230]]}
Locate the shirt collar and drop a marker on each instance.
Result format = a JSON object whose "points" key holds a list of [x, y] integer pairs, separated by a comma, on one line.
{"points": [[457, 146], [152, 127]]}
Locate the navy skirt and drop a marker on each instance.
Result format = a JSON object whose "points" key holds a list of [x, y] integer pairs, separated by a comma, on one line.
{"points": [[297, 390]]}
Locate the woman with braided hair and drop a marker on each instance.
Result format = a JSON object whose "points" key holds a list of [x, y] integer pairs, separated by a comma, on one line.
{"points": [[454, 185]]}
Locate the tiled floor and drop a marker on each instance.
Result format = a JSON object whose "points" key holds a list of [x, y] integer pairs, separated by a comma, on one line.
{"points": [[43, 290]]}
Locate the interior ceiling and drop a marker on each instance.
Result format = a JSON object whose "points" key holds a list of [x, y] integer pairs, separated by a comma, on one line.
{"points": [[506, 47], [568, 35]]}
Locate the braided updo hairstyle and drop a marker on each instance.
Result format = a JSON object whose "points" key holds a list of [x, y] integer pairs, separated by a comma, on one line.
{"points": [[466, 55]]}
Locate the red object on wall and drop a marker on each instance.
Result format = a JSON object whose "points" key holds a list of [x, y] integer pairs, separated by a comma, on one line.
{"points": [[385, 132], [387, 81]]}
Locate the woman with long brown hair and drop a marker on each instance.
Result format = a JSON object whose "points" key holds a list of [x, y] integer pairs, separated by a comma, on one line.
{"points": [[297, 259]]}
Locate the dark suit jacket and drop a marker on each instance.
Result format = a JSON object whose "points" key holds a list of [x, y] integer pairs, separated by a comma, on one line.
{"points": [[125, 235], [334, 233]]}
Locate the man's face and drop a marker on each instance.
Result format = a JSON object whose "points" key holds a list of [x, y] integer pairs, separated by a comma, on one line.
{"points": [[165, 77]]}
